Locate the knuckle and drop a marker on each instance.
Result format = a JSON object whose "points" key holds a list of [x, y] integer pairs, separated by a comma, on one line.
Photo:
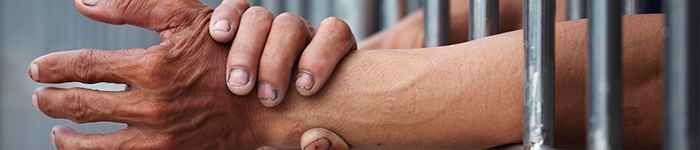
{"points": [[129, 7], [258, 13], [84, 64], [289, 19], [155, 114], [152, 71], [339, 30], [77, 107], [337, 26], [164, 142]]}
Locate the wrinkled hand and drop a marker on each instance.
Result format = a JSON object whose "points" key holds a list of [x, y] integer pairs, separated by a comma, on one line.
{"points": [[265, 49], [174, 99]]}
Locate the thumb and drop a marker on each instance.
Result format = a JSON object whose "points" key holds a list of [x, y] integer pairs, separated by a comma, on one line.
{"points": [[322, 139]]}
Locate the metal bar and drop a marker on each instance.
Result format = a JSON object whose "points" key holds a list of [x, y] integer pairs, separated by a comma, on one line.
{"points": [[414, 5], [682, 75], [605, 77], [576, 9], [631, 7], [361, 15], [436, 22], [320, 9], [483, 18], [298, 7], [275, 6], [254, 2], [392, 12], [539, 77]]}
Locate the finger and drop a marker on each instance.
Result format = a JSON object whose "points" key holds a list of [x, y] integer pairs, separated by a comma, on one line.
{"points": [[288, 37], [66, 138], [267, 148], [86, 65], [332, 42], [225, 19], [245, 52], [156, 15], [83, 105], [322, 139]]}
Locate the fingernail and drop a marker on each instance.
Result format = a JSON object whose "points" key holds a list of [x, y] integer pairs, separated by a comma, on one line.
{"points": [[34, 71], [222, 25], [305, 81], [267, 95], [90, 2], [238, 78], [319, 144], [35, 101]]}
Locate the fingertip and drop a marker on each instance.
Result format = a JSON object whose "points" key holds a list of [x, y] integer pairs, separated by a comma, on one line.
{"points": [[305, 83], [240, 81], [61, 130], [226, 19], [319, 144], [221, 30], [268, 95], [36, 97], [89, 3], [35, 101], [33, 72], [322, 138], [60, 136], [33, 69]]}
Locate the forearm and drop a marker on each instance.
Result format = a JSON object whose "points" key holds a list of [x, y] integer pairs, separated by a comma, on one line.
{"points": [[409, 32], [464, 96]]}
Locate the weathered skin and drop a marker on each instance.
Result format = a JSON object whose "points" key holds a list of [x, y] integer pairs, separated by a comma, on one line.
{"points": [[465, 96]]}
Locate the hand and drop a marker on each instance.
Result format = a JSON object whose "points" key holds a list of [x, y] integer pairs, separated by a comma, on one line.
{"points": [[252, 27], [264, 50], [174, 98]]}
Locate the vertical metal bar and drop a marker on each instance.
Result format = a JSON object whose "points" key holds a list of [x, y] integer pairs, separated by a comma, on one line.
{"points": [[298, 7], [275, 6], [436, 22], [682, 75], [320, 9], [576, 9], [631, 7], [392, 12], [254, 2], [361, 15], [605, 77], [539, 77], [483, 18], [414, 5]]}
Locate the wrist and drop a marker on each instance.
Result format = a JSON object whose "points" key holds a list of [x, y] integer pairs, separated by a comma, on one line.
{"points": [[268, 127]]}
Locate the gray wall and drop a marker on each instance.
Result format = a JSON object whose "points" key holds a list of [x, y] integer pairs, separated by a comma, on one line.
{"points": [[31, 28]]}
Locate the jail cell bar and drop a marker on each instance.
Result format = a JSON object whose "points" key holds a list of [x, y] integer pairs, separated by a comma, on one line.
{"points": [[275, 6], [437, 22], [392, 12], [605, 77], [682, 128], [483, 18], [576, 9], [539, 74], [631, 7]]}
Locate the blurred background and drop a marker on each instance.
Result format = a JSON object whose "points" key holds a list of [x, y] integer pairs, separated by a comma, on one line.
{"points": [[31, 28]]}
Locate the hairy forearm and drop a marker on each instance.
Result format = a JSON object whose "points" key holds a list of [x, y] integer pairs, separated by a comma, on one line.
{"points": [[465, 96]]}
